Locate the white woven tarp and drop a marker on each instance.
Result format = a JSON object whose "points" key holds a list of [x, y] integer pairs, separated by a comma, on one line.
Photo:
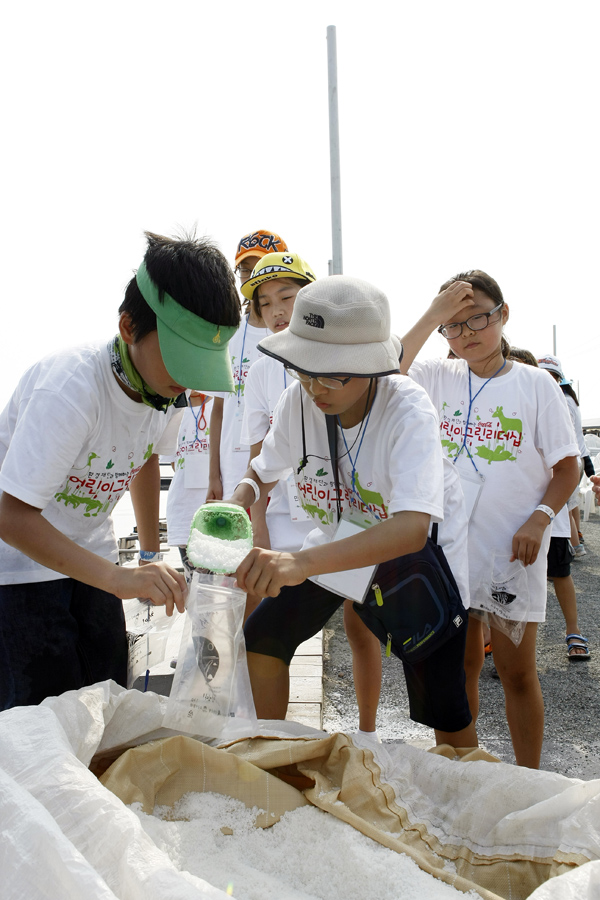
{"points": [[507, 831]]}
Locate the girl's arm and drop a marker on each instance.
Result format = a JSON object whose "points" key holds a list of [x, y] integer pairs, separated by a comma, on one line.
{"points": [[451, 305], [215, 484], [260, 530], [265, 572], [527, 540]]}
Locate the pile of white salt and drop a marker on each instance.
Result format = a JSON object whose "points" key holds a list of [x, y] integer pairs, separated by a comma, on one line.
{"points": [[216, 554], [307, 855]]}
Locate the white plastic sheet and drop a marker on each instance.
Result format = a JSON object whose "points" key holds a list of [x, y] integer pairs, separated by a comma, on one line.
{"points": [[63, 835]]}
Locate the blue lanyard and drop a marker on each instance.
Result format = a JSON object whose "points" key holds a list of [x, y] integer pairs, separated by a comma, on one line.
{"points": [[240, 376], [471, 402], [355, 460], [200, 417]]}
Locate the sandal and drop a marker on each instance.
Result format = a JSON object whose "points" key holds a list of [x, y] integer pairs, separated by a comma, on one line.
{"points": [[577, 640]]}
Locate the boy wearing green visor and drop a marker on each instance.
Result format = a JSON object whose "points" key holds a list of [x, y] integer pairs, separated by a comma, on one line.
{"points": [[81, 428]]}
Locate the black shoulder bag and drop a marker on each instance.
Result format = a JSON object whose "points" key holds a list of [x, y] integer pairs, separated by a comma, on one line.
{"points": [[413, 605]]}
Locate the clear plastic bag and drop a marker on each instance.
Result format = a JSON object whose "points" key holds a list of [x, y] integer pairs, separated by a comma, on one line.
{"points": [[502, 597], [148, 628], [211, 687]]}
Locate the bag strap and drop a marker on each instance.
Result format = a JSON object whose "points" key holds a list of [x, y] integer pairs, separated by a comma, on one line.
{"points": [[332, 438], [434, 532]]}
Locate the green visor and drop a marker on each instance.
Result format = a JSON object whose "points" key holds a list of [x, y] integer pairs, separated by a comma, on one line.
{"points": [[195, 352]]}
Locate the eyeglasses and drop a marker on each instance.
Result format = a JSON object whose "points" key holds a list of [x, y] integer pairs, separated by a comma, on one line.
{"points": [[475, 323], [243, 273], [334, 384]]}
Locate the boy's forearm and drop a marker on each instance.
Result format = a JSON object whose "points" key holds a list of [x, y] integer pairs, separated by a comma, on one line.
{"points": [[23, 527], [145, 497]]}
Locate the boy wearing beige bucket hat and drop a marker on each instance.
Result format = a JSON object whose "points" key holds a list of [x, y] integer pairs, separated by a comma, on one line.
{"points": [[345, 362]]}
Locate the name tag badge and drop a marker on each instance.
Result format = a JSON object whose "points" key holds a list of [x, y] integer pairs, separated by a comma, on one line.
{"points": [[238, 420], [297, 511], [472, 485], [353, 584], [195, 471]]}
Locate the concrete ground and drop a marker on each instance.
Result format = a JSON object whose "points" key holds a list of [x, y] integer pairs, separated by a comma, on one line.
{"points": [[571, 690]]}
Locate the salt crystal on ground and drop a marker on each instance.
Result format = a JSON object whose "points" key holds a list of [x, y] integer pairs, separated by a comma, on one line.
{"points": [[216, 554], [307, 855]]}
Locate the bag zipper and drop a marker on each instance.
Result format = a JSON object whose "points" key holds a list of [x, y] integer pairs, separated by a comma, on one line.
{"points": [[378, 594]]}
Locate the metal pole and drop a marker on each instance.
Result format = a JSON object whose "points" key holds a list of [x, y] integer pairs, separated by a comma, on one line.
{"points": [[335, 264], [554, 340]]}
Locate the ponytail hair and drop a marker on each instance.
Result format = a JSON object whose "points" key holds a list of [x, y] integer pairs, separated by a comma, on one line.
{"points": [[567, 389]]}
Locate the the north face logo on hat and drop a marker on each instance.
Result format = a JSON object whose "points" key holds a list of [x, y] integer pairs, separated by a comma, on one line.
{"points": [[314, 320]]}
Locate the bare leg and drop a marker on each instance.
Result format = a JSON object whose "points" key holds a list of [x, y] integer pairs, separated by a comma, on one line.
{"points": [[366, 667], [466, 737], [566, 596], [474, 656], [574, 528], [252, 601], [522, 694], [270, 680]]}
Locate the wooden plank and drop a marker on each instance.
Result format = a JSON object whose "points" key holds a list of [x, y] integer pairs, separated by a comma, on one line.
{"points": [[306, 690], [312, 647]]}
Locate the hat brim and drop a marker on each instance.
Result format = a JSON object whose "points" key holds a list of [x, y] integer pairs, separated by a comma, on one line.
{"points": [[198, 368], [255, 251], [334, 360]]}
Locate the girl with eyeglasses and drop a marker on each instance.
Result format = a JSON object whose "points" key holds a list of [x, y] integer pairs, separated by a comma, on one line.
{"points": [[507, 431]]}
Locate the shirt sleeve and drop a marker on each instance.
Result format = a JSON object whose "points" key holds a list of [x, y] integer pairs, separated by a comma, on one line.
{"points": [[555, 437], [416, 468], [49, 435], [257, 418], [274, 462]]}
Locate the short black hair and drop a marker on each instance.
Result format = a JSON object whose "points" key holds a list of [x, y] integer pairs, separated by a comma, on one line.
{"points": [[194, 272]]}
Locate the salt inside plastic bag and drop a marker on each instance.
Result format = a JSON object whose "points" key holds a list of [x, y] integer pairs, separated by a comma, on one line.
{"points": [[211, 687]]}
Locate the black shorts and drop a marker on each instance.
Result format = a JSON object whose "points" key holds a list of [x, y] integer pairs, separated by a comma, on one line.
{"points": [[559, 558], [436, 686]]}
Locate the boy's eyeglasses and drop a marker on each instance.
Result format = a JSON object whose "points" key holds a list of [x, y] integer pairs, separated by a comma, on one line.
{"points": [[475, 323], [243, 273], [334, 384]]}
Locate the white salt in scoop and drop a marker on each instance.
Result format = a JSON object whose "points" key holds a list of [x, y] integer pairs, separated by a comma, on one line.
{"points": [[220, 537], [207, 552]]}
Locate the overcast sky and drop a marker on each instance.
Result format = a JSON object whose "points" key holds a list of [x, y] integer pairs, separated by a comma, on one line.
{"points": [[468, 130]]}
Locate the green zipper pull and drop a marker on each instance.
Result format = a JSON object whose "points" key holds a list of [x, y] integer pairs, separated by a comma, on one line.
{"points": [[388, 646], [378, 595]]}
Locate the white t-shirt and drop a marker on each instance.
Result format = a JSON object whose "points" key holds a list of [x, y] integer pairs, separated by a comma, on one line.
{"points": [[575, 414], [399, 466], [234, 452], [266, 383], [190, 477], [71, 441], [518, 428]]}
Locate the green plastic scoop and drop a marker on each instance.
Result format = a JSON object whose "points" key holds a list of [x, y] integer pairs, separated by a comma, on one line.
{"points": [[220, 537]]}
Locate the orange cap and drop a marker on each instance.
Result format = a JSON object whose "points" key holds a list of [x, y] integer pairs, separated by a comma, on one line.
{"points": [[259, 243]]}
